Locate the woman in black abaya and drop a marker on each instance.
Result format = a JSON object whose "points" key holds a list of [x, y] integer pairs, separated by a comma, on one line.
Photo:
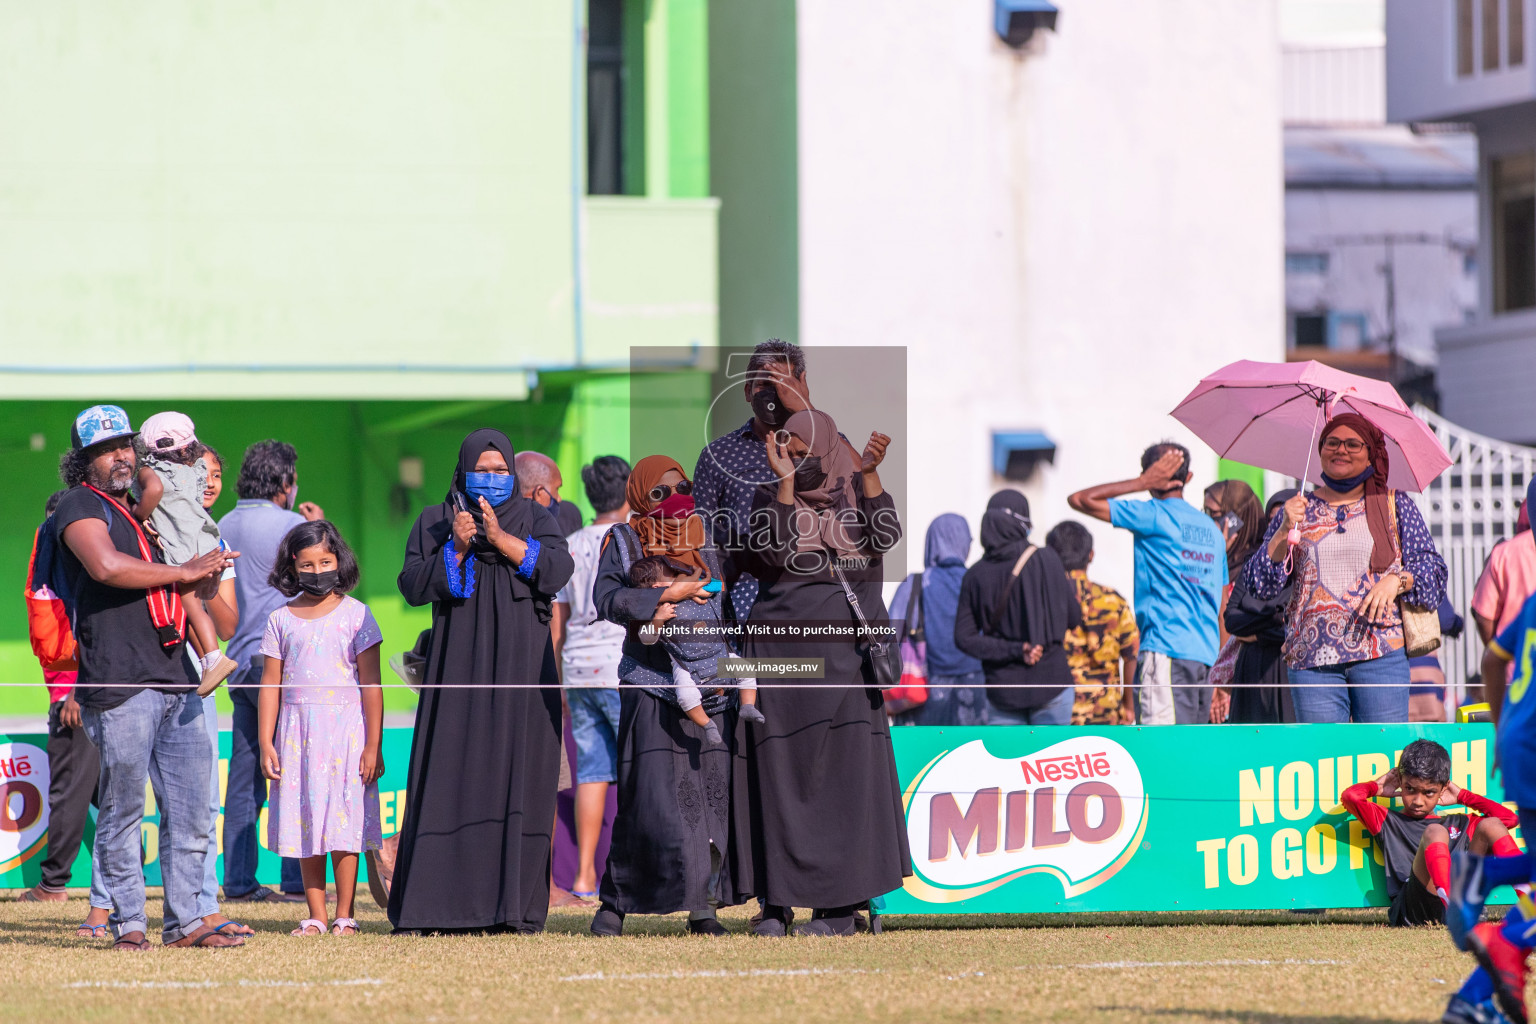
{"points": [[816, 784], [672, 835], [475, 840]]}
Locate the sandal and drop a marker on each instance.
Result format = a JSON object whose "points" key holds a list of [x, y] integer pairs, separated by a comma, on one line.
{"points": [[235, 928], [206, 938], [92, 931], [305, 925], [127, 944], [344, 922]]}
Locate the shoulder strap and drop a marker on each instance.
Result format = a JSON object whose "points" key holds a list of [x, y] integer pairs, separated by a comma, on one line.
{"points": [[853, 599], [1002, 596], [915, 609]]}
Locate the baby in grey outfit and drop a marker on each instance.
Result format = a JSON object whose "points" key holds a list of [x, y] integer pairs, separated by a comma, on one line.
{"points": [[694, 662]]}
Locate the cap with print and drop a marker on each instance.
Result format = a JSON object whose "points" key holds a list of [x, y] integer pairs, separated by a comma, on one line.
{"points": [[100, 423], [168, 432]]}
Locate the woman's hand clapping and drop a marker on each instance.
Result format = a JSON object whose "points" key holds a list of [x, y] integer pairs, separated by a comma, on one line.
{"points": [[463, 532]]}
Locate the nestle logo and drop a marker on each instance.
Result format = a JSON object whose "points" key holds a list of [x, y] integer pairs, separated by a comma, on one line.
{"points": [[1066, 767]]}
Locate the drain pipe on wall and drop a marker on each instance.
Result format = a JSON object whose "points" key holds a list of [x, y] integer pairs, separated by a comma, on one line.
{"points": [[578, 62]]}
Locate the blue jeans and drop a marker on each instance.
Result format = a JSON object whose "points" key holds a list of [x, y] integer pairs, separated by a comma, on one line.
{"points": [[595, 726], [1056, 711], [208, 900], [1359, 691], [157, 738], [245, 795], [952, 700]]}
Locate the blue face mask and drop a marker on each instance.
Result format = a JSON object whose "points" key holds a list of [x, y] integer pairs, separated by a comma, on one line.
{"points": [[495, 488]]}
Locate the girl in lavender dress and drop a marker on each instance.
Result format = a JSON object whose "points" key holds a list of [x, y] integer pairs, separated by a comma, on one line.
{"points": [[320, 720]]}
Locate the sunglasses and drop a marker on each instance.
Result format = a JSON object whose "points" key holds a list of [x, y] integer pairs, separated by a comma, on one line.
{"points": [[661, 492], [1350, 445]]}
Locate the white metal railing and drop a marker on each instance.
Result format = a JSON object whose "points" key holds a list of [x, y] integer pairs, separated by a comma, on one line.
{"points": [[1470, 508]]}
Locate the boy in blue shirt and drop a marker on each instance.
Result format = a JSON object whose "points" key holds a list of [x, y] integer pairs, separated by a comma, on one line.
{"points": [[1181, 570], [1501, 947]]}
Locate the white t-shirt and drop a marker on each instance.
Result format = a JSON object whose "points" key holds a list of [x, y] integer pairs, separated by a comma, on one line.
{"points": [[593, 646]]}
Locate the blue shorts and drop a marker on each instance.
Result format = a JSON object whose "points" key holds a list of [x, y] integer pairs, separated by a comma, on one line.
{"points": [[595, 724]]}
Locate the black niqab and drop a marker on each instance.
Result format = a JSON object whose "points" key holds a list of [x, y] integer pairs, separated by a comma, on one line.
{"points": [[1005, 527]]}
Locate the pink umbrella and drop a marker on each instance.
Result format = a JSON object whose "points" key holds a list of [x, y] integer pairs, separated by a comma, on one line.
{"points": [[1269, 415]]}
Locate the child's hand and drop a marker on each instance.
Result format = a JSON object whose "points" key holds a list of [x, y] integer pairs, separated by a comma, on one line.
{"points": [[371, 765], [1450, 795], [664, 611], [1388, 783], [270, 766]]}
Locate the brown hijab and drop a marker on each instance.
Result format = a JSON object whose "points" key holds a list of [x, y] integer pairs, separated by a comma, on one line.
{"points": [[677, 538], [1378, 511], [817, 526]]}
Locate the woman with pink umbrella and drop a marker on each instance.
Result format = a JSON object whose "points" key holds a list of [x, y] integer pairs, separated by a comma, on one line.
{"points": [[1353, 548]]}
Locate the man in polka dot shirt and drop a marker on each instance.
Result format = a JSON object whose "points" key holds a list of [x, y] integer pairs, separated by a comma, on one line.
{"points": [[732, 467]]}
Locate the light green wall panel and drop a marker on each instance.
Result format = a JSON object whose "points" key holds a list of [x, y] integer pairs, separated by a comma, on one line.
{"points": [[277, 184], [652, 275]]}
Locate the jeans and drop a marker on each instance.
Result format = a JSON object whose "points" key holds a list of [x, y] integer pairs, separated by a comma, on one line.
{"points": [[159, 738], [952, 700], [208, 900], [244, 796], [1360, 691], [595, 727], [1056, 711]]}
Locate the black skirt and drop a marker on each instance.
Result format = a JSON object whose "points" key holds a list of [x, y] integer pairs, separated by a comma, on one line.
{"points": [[673, 806], [816, 786]]}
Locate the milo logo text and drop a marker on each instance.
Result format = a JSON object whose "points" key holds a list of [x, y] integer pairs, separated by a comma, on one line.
{"points": [[1075, 810]]}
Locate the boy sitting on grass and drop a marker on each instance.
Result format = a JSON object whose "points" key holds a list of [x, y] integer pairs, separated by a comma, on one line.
{"points": [[1418, 842]]}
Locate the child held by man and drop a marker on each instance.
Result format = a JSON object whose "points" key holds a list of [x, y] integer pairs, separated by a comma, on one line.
{"points": [[320, 718], [694, 661], [171, 480]]}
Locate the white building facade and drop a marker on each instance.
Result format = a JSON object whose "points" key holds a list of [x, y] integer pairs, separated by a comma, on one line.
{"points": [[1066, 236]]}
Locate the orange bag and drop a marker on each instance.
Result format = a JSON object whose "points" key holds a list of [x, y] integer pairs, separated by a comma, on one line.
{"points": [[53, 641]]}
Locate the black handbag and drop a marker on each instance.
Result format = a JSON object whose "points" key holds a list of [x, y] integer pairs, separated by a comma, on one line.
{"points": [[884, 655]]}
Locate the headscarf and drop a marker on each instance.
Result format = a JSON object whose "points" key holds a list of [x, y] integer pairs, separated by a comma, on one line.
{"points": [[948, 541], [679, 539], [817, 508], [1237, 497], [1378, 513], [476, 444], [1005, 526]]}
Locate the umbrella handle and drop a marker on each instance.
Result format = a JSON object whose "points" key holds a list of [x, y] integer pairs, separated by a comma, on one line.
{"points": [[1294, 538]]}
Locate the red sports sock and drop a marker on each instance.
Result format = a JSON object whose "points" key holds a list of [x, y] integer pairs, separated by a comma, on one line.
{"points": [[1437, 858], [1504, 846]]}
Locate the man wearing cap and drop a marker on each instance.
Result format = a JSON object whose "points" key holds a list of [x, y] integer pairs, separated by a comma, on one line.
{"points": [[136, 690]]}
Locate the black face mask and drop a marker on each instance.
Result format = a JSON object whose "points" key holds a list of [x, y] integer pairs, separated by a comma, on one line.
{"points": [[769, 408], [319, 584], [808, 473]]}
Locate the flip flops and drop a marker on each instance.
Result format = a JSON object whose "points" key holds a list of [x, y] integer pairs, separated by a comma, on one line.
{"points": [[344, 922], [92, 931], [127, 945], [305, 925]]}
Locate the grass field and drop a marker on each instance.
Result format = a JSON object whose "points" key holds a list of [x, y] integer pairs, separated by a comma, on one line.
{"points": [[1346, 966]]}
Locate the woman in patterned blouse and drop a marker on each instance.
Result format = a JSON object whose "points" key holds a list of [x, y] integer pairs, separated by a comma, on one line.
{"points": [[1363, 547]]}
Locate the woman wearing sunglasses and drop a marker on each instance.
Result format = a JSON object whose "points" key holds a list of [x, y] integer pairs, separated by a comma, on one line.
{"points": [[1363, 547]]}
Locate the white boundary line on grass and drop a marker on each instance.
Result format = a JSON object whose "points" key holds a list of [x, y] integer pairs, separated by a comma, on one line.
{"points": [[762, 972], [1120, 965], [243, 983]]}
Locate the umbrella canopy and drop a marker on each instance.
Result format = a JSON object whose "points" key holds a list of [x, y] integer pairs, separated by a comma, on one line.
{"points": [[1269, 415]]}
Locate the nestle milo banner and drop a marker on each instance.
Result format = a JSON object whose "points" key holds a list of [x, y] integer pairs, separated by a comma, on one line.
{"points": [[1025, 820], [1061, 818], [24, 812]]}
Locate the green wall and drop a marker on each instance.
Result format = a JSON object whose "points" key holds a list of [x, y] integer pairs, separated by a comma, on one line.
{"points": [[753, 158]]}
